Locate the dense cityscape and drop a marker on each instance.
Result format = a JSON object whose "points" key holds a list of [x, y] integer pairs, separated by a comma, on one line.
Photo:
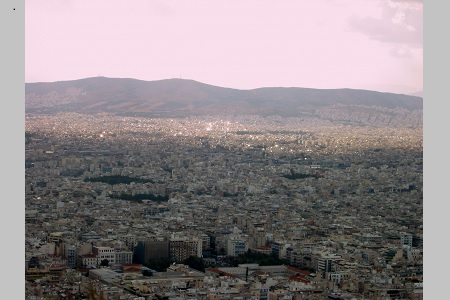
{"points": [[221, 207]]}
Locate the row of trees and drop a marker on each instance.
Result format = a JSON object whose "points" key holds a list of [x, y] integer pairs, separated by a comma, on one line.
{"points": [[294, 175], [140, 197], [197, 263], [118, 179], [253, 257], [160, 265]]}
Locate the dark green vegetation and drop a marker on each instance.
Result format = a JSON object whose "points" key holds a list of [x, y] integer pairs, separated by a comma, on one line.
{"points": [[140, 197], [28, 137], [117, 179], [104, 263], [159, 265], [390, 255], [226, 194], [252, 257], [195, 263], [72, 173], [294, 175], [167, 169]]}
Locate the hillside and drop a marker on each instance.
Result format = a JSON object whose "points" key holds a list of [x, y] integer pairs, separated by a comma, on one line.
{"points": [[180, 98]]}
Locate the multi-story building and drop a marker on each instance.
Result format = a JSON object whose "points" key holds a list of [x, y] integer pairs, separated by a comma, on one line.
{"points": [[367, 237], [206, 241], [129, 240], [87, 260], [103, 253], [337, 277], [236, 246], [57, 238], [181, 248], [124, 257], [324, 261], [299, 258], [279, 248], [151, 250], [406, 239], [70, 254]]}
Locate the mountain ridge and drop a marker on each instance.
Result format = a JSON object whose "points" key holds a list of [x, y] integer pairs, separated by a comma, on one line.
{"points": [[185, 97]]}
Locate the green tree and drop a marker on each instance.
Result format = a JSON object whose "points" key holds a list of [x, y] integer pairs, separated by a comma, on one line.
{"points": [[159, 265], [104, 263], [195, 262]]}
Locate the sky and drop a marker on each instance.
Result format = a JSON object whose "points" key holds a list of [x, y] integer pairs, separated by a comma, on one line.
{"points": [[363, 44]]}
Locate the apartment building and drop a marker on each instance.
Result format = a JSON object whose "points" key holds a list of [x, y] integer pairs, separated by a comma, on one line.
{"points": [[103, 253], [180, 248], [236, 246]]}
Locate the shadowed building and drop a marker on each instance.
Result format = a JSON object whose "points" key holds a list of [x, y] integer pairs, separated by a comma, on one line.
{"points": [[150, 250]]}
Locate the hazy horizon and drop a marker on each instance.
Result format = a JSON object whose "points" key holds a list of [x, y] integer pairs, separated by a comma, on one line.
{"points": [[325, 44]]}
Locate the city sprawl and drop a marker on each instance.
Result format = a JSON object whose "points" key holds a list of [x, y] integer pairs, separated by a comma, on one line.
{"points": [[221, 207]]}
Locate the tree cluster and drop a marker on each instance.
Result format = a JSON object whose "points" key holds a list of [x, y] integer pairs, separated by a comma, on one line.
{"points": [[117, 179]]}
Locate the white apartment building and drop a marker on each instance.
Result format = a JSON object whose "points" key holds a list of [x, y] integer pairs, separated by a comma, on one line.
{"points": [[103, 253]]}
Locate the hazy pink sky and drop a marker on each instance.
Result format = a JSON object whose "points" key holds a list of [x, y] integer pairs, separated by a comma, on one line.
{"points": [[368, 44]]}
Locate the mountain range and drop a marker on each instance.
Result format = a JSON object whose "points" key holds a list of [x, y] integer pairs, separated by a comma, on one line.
{"points": [[182, 97]]}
